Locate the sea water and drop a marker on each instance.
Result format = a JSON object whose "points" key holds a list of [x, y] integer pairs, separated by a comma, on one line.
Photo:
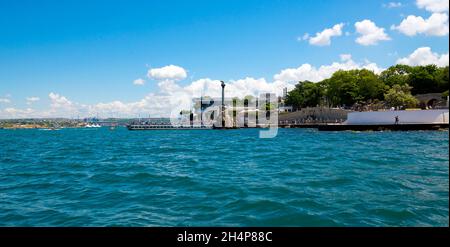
{"points": [[303, 177]]}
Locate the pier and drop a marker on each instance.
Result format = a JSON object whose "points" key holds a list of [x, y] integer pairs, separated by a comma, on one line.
{"points": [[405, 120], [165, 127]]}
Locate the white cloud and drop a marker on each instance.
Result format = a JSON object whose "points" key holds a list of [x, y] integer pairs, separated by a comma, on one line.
{"points": [[173, 97], [11, 112], [391, 5], [167, 102], [59, 101], [311, 73], [424, 56], [139, 82], [345, 57], [393, 54], [5, 100], [31, 100], [435, 6], [370, 34], [237, 88], [60, 106], [435, 25], [324, 38], [304, 37], [170, 72], [152, 104]]}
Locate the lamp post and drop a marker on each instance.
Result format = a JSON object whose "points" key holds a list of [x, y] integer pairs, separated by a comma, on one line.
{"points": [[223, 103]]}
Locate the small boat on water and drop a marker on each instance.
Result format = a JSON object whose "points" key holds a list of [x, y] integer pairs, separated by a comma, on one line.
{"points": [[48, 129]]}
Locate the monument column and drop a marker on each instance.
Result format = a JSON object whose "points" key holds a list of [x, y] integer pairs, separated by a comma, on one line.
{"points": [[223, 104]]}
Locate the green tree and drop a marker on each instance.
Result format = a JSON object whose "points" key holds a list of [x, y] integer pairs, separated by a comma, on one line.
{"points": [[294, 98], [396, 75], [370, 87], [352, 86], [305, 94], [442, 79], [311, 94], [424, 79], [399, 96], [342, 88]]}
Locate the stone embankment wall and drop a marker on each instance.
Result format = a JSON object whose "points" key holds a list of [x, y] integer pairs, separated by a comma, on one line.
{"points": [[314, 115]]}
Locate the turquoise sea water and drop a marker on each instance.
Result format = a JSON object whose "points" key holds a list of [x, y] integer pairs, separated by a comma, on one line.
{"points": [[98, 177]]}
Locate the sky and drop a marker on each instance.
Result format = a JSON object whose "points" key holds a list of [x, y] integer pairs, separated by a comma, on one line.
{"points": [[129, 58]]}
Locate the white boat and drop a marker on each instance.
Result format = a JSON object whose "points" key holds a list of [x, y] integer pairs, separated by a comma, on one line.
{"points": [[93, 125]]}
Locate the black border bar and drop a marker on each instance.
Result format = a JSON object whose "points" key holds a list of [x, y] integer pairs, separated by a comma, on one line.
{"points": [[286, 236]]}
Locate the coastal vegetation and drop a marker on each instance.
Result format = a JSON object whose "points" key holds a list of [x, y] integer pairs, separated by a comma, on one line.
{"points": [[399, 95], [55, 123], [39, 123], [394, 87]]}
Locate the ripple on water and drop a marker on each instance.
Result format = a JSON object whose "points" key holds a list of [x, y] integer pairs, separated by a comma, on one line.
{"points": [[229, 178]]}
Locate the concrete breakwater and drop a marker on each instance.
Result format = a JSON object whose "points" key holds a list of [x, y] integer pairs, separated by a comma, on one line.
{"points": [[381, 127], [325, 119], [439, 116]]}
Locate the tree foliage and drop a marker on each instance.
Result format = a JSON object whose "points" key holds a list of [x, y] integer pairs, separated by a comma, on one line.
{"points": [[400, 96], [396, 75], [345, 88], [306, 93]]}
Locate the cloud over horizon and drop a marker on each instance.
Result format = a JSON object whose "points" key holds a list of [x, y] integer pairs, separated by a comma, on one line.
{"points": [[5, 100], [424, 56], [308, 72], [31, 100]]}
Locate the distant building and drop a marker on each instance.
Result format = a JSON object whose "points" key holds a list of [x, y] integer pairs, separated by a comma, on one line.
{"points": [[285, 108], [238, 112], [282, 107], [285, 93]]}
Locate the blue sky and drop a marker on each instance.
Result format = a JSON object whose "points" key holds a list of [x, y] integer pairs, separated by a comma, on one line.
{"points": [[89, 52]]}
